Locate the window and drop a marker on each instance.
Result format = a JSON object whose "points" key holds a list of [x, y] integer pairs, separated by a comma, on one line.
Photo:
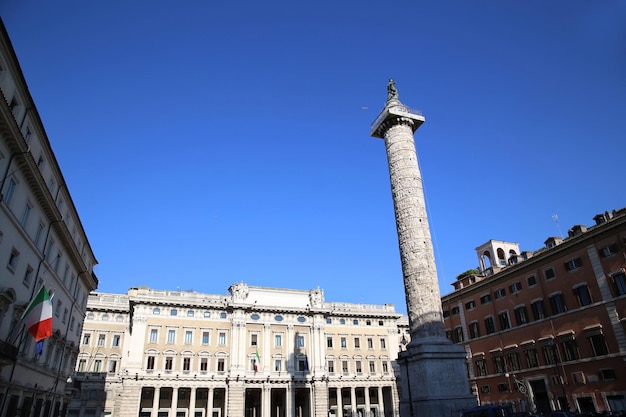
{"points": [[97, 365], [368, 322], [470, 305], [549, 354], [300, 341], [570, 350], [207, 314], [521, 316], [329, 321], [221, 364], [385, 367], [608, 250], [370, 343], [156, 311], [358, 366], [355, 322], [342, 321], [598, 344], [28, 275], [372, 367], [204, 364], [38, 234], [512, 360], [499, 293], [186, 364], [101, 340], [446, 314], [278, 340], [344, 343], [503, 387], [169, 363], [538, 310], [302, 365], [329, 342], [557, 303], [485, 299], [10, 188], [331, 366], [515, 287], [531, 281], [116, 341], [82, 365], [474, 330], [505, 322], [112, 366], [458, 334], [619, 283], [86, 338], [481, 367], [205, 338], [13, 258], [171, 336], [25, 214], [357, 343], [188, 337], [582, 295], [278, 365], [254, 316], [489, 325], [221, 339], [549, 273], [173, 312], [606, 374], [498, 363], [189, 313], [573, 264], [532, 360], [383, 343], [254, 340], [455, 311], [344, 367], [154, 335], [224, 315]]}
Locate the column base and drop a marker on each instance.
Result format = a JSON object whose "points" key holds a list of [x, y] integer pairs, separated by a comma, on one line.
{"points": [[433, 381]]}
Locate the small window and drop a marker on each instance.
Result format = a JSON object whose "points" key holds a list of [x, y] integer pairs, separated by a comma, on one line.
{"points": [[301, 319], [455, 311], [573, 265], [223, 315], [499, 293], [490, 326], [446, 314], [207, 314], [606, 374], [254, 316], [156, 311], [254, 340], [549, 273], [355, 322], [582, 295], [381, 323], [344, 343], [278, 340], [531, 281], [342, 321], [608, 250], [278, 318], [329, 342], [557, 302], [329, 321], [221, 339], [515, 287], [357, 343], [13, 258], [619, 283], [173, 312], [300, 341], [190, 313], [485, 299], [205, 338], [470, 305]]}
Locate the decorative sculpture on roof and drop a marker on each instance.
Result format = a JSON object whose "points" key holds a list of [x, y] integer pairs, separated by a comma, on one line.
{"points": [[239, 291], [392, 92], [316, 297]]}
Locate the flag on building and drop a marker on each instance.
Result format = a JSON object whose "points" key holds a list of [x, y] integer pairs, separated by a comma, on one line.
{"points": [[257, 361], [38, 315]]}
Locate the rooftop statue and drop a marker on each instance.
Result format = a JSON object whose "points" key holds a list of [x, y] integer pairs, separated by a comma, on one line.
{"points": [[392, 92]]}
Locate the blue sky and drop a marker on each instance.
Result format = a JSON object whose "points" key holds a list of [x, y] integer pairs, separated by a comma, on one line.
{"points": [[207, 143]]}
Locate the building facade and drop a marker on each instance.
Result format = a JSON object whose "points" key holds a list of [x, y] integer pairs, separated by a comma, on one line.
{"points": [[545, 330], [254, 352], [42, 242]]}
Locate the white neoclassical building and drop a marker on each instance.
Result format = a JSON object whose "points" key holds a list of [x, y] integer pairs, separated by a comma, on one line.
{"points": [[255, 352]]}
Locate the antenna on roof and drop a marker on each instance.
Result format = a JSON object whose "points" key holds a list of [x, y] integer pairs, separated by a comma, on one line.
{"points": [[558, 226]]}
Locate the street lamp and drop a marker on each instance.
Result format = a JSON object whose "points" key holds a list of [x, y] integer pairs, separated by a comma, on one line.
{"points": [[408, 382], [557, 370]]}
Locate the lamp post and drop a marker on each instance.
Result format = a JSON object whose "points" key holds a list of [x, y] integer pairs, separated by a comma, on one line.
{"points": [[557, 370], [408, 382]]}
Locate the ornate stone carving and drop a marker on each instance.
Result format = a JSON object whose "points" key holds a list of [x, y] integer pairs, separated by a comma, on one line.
{"points": [[316, 297], [239, 292]]}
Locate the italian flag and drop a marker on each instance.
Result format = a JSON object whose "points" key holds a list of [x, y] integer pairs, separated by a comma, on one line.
{"points": [[38, 315], [257, 361]]}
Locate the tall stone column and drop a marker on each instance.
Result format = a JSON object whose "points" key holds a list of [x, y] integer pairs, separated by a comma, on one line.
{"points": [[432, 370]]}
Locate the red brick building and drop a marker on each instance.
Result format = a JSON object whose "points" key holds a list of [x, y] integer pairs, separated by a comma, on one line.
{"points": [[545, 330]]}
